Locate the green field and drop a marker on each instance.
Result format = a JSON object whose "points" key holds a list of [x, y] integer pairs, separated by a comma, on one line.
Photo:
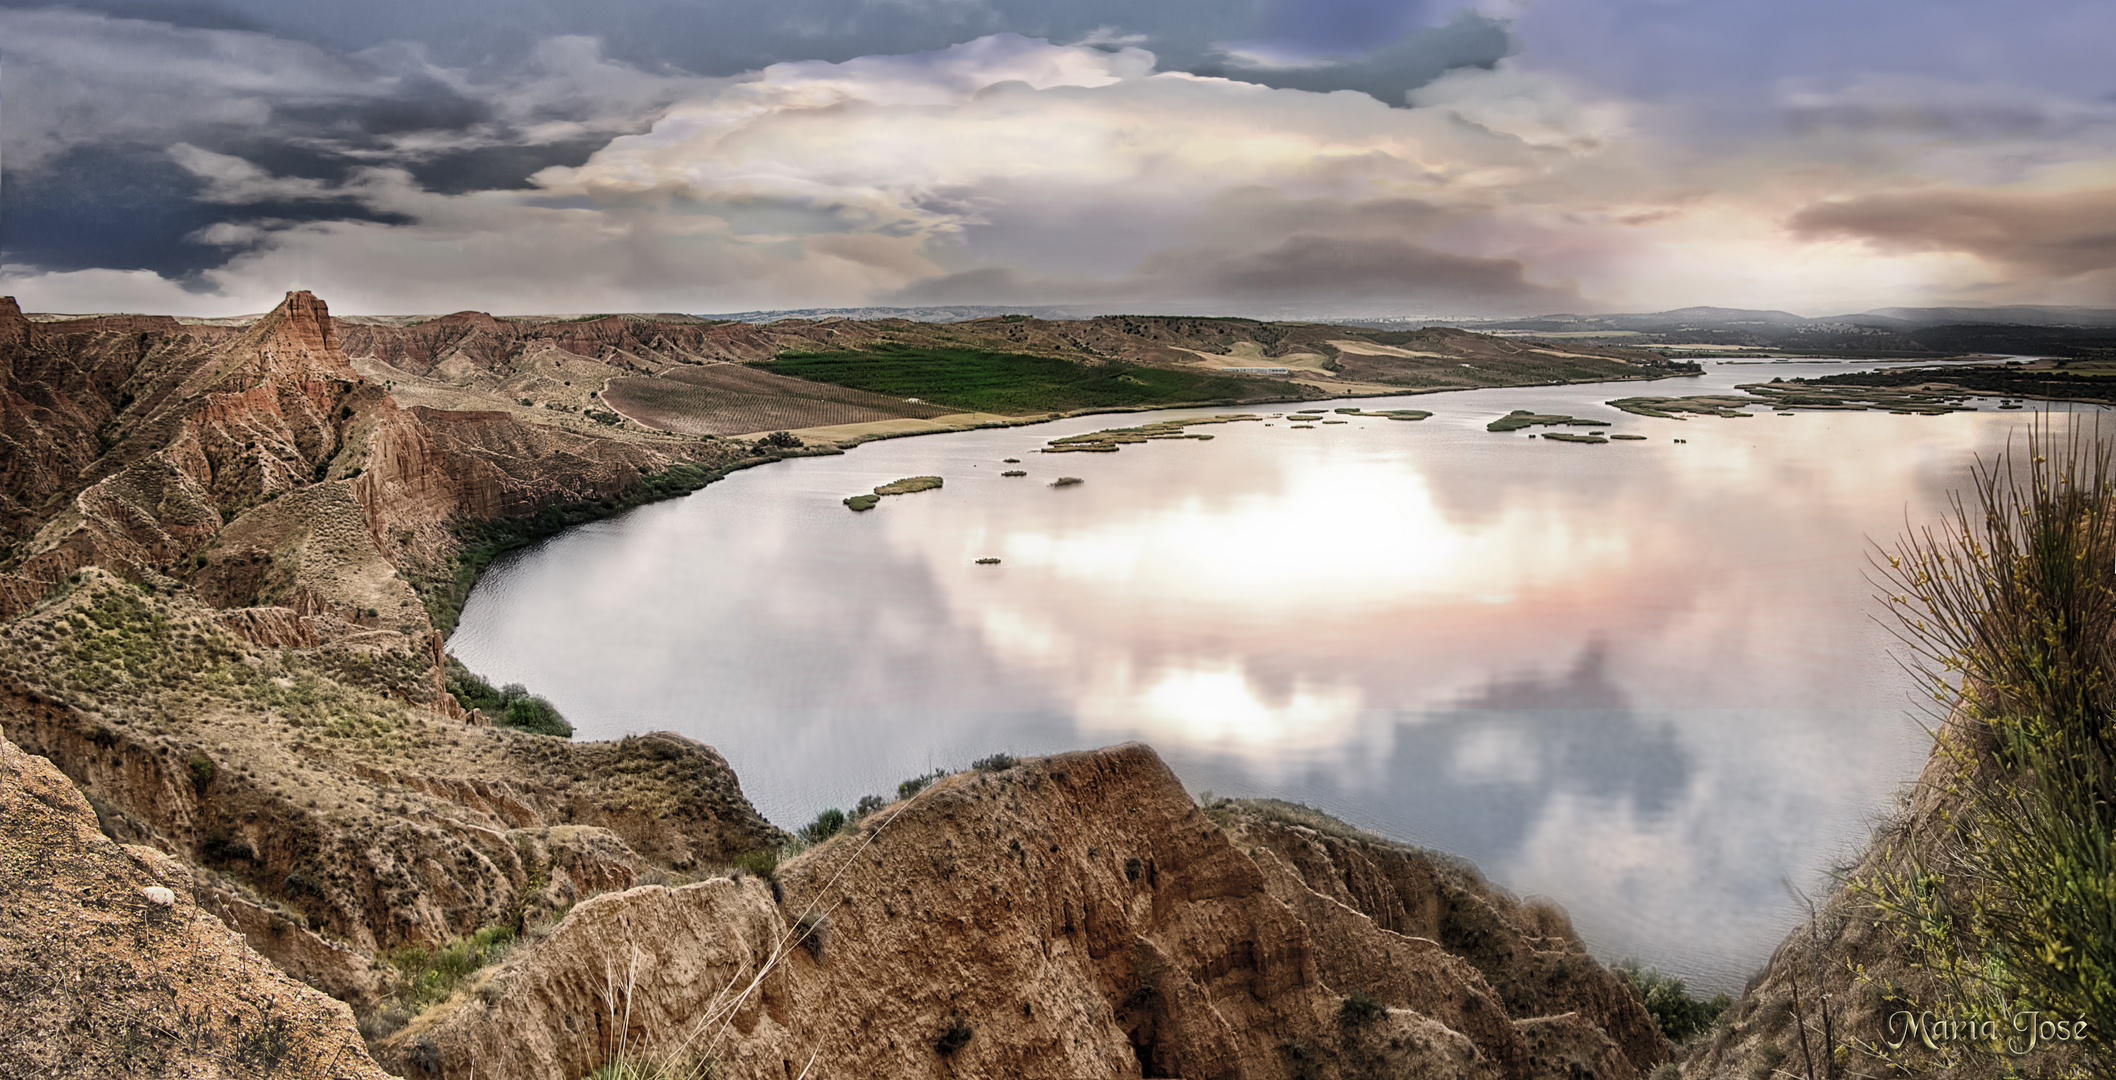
{"points": [[975, 380]]}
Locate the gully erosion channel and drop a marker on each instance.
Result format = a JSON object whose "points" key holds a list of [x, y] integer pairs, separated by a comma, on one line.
{"points": [[1643, 677]]}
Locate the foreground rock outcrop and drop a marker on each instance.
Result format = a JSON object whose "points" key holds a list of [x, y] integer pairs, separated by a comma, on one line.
{"points": [[327, 818], [1073, 916], [111, 966]]}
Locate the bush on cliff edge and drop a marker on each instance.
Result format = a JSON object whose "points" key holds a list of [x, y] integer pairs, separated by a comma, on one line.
{"points": [[2011, 608], [509, 706]]}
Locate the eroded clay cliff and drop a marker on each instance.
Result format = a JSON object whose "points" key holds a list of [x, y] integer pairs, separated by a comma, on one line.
{"points": [[111, 965], [1073, 916], [168, 449], [331, 819]]}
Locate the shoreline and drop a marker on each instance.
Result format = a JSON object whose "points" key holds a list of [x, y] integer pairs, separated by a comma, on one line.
{"points": [[478, 552]]}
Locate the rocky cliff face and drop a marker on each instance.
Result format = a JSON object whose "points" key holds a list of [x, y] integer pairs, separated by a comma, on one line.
{"points": [[330, 819], [211, 538], [1527, 954], [259, 467], [111, 965], [1073, 916]]}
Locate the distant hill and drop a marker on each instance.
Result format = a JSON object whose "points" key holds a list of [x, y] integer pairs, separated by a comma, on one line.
{"points": [[2011, 315], [954, 313], [2071, 332]]}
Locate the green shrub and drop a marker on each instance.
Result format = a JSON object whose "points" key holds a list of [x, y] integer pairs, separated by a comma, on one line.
{"points": [[1360, 1009], [996, 763], [763, 863], [469, 689], [509, 706], [919, 783], [2012, 606], [425, 977], [535, 715], [1132, 866], [1678, 1015], [781, 440], [202, 770], [868, 804], [826, 825]]}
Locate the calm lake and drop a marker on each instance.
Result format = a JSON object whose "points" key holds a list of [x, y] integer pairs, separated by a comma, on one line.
{"points": [[1643, 678]]}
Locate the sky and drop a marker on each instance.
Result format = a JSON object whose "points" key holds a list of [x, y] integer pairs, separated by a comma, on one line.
{"points": [[1347, 157]]}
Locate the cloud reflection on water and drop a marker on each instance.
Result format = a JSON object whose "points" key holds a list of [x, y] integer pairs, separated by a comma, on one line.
{"points": [[1639, 677]]}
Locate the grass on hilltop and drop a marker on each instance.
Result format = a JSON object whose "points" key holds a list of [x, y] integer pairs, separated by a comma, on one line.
{"points": [[977, 380]]}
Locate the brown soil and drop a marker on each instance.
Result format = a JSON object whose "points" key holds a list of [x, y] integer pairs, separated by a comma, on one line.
{"points": [[728, 399], [111, 967]]}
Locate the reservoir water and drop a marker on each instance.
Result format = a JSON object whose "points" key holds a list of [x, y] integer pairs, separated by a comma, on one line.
{"points": [[1643, 678]]}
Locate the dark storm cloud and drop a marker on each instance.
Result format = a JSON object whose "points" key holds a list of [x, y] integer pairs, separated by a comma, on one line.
{"points": [[418, 103], [188, 13], [2043, 236], [132, 209], [73, 77], [1324, 268], [97, 99], [1374, 46], [1343, 27], [499, 168], [1392, 71]]}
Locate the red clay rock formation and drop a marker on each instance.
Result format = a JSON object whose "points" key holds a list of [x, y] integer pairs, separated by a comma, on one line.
{"points": [[133, 446], [15, 329]]}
